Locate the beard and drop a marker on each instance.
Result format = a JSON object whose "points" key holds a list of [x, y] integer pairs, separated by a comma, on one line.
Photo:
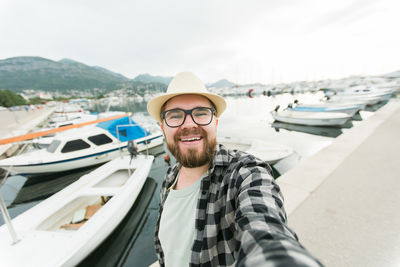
{"points": [[193, 158]]}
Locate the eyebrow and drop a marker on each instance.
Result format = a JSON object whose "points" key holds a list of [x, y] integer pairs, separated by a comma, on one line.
{"points": [[164, 105]]}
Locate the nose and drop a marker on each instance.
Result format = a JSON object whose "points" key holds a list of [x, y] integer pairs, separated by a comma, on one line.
{"points": [[188, 123]]}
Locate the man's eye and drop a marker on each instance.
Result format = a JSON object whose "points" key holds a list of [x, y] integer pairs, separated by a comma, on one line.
{"points": [[201, 113], [174, 115]]}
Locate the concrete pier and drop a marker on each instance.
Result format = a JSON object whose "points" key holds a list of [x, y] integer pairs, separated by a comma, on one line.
{"points": [[343, 201], [14, 123]]}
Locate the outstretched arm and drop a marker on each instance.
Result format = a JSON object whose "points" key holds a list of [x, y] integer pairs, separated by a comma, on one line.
{"points": [[265, 239]]}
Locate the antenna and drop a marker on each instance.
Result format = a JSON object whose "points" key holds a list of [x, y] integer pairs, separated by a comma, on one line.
{"points": [[7, 219]]}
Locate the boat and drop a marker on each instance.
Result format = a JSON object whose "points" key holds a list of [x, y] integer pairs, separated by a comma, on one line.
{"points": [[83, 147], [269, 152], [328, 103], [370, 96], [369, 100], [62, 120], [327, 107], [45, 141], [311, 118], [65, 228]]}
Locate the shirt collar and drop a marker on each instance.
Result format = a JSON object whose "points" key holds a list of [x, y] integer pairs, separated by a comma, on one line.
{"points": [[221, 157]]}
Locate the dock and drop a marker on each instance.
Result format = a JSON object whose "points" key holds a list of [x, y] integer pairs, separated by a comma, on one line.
{"points": [[343, 201], [19, 122]]}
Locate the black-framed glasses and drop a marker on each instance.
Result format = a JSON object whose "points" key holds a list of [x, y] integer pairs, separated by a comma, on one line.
{"points": [[176, 117]]}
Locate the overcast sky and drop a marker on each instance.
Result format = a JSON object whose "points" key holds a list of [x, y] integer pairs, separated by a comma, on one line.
{"points": [[244, 41]]}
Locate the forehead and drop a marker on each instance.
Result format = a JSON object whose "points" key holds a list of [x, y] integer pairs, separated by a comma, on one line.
{"points": [[187, 102]]}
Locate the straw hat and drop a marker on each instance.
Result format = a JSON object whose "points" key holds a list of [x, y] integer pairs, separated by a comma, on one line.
{"points": [[184, 83]]}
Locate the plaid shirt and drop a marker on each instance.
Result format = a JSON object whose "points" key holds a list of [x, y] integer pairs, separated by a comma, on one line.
{"points": [[240, 219]]}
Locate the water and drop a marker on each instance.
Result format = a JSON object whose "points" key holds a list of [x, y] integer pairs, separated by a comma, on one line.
{"points": [[244, 118]]}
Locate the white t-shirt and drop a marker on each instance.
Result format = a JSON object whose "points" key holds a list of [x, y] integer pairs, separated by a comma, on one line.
{"points": [[177, 224]]}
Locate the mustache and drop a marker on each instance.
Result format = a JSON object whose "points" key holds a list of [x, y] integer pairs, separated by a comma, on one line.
{"points": [[193, 131]]}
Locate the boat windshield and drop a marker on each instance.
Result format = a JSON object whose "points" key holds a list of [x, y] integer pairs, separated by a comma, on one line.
{"points": [[53, 146], [100, 139], [74, 145]]}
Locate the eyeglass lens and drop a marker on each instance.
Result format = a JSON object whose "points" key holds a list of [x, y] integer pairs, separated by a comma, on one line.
{"points": [[200, 115]]}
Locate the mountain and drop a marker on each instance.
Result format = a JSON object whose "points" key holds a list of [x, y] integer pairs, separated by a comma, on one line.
{"points": [[221, 83], [147, 78], [20, 73]]}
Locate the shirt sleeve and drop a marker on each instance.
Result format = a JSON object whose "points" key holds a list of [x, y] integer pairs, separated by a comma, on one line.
{"points": [[263, 235]]}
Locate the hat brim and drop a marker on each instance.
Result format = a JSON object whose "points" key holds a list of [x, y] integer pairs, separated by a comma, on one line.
{"points": [[155, 104]]}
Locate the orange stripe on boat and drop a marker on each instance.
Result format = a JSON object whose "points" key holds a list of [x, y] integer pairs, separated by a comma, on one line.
{"points": [[63, 128]]}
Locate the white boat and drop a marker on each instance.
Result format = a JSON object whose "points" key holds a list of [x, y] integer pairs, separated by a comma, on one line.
{"points": [[370, 96], [65, 119], [360, 90], [269, 152], [311, 118], [45, 141], [83, 147], [368, 99], [65, 228], [348, 109]]}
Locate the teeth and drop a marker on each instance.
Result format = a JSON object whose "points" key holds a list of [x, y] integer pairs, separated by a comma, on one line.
{"points": [[190, 139]]}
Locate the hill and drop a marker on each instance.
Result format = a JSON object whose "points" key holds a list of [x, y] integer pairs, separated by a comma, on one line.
{"points": [[20, 73], [147, 78], [221, 83], [67, 75]]}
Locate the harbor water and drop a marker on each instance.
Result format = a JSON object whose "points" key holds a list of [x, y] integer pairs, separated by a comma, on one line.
{"points": [[245, 117]]}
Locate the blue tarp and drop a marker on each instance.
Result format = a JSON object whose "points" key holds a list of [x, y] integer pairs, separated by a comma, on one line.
{"points": [[128, 129]]}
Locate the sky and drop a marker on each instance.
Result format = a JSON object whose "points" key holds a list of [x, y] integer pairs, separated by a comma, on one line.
{"points": [[243, 41]]}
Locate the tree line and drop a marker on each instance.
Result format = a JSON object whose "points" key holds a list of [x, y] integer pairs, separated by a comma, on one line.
{"points": [[9, 99]]}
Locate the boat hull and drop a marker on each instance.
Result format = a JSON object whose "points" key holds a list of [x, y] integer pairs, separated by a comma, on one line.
{"points": [[318, 118], [25, 166], [41, 227]]}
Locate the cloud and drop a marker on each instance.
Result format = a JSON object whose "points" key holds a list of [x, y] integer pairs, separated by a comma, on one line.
{"points": [[245, 41]]}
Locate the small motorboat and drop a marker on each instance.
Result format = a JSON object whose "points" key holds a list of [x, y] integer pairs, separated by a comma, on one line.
{"points": [[269, 152], [83, 147], [327, 107], [65, 228], [370, 96], [369, 100], [311, 118]]}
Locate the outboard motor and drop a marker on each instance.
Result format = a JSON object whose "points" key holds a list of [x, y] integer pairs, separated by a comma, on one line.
{"points": [[296, 101], [132, 149], [276, 108], [290, 105]]}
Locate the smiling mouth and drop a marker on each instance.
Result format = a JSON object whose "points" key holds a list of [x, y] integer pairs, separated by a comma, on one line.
{"points": [[191, 139]]}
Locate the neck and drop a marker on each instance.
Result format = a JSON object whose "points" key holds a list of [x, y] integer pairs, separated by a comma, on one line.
{"points": [[188, 176]]}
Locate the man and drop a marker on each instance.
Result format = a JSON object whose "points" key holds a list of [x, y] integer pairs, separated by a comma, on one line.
{"points": [[217, 207]]}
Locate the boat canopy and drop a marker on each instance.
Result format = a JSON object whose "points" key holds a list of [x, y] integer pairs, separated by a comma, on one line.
{"points": [[126, 127]]}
